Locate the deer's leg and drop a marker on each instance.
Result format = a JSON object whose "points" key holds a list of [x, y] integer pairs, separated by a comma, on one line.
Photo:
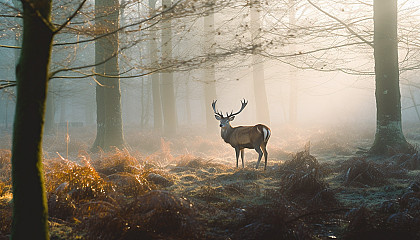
{"points": [[260, 153], [237, 156], [264, 149], [242, 157]]}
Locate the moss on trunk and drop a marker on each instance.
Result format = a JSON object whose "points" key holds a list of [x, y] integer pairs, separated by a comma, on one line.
{"points": [[30, 217]]}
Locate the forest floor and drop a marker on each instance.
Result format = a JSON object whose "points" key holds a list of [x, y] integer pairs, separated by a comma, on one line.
{"points": [[319, 184]]}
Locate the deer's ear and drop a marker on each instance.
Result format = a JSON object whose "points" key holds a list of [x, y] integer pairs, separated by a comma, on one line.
{"points": [[218, 117], [231, 118]]}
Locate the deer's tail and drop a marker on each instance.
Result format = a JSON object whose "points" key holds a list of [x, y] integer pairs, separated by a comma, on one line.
{"points": [[265, 131]]}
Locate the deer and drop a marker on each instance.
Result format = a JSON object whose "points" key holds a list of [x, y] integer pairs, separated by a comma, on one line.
{"points": [[251, 137]]}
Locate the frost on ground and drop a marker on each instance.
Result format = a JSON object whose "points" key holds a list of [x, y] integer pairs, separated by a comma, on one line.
{"points": [[189, 188]]}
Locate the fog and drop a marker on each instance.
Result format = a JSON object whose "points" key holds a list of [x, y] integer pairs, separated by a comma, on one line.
{"points": [[302, 51], [210, 119]]}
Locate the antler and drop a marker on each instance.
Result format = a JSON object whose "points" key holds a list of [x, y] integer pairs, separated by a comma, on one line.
{"points": [[244, 103], [214, 109]]}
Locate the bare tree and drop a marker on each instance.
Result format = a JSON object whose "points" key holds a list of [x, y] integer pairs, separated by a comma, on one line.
{"points": [[293, 99], [261, 102], [30, 217], [167, 81], [108, 92], [389, 135], [209, 72], [155, 77]]}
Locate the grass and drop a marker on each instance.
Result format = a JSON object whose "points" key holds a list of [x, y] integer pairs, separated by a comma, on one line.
{"points": [[189, 188]]}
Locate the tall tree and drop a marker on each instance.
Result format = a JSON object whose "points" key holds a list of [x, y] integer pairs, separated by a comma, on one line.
{"points": [[153, 49], [209, 73], [30, 217], [260, 93], [389, 137], [108, 93], [293, 93], [388, 98], [167, 81]]}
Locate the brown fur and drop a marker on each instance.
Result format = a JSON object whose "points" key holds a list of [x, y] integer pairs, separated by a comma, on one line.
{"points": [[243, 136], [251, 137]]}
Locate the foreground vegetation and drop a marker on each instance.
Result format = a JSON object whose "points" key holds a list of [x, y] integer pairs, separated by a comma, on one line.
{"points": [[188, 188]]}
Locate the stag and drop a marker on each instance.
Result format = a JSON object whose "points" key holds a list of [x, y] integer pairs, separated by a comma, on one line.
{"points": [[252, 137]]}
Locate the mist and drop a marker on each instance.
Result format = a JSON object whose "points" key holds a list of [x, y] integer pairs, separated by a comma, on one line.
{"points": [[217, 119]]}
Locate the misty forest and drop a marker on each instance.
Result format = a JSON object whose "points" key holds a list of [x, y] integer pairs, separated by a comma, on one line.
{"points": [[209, 119]]}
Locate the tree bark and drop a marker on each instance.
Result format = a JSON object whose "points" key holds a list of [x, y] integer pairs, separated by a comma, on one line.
{"points": [[30, 217], [108, 93], [262, 112], [389, 137], [209, 74], [167, 81]]}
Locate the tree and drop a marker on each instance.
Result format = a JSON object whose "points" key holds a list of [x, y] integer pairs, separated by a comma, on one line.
{"points": [[209, 73], [293, 78], [30, 217], [157, 103], [346, 36], [167, 81], [388, 98], [108, 93], [262, 112]]}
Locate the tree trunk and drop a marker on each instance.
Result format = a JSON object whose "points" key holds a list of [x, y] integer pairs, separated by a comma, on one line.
{"points": [[389, 137], [108, 93], [49, 112], [413, 99], [89, 107], [261, 103], [6, 123], [30, 217], [293, 99], [209, 74], [167, 81], [155, 78], [147, 103], [157, 103], [187, 102]]}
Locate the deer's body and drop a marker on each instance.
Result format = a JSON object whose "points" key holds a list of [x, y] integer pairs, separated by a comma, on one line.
{"points": [[245, 136], [253, 137]]}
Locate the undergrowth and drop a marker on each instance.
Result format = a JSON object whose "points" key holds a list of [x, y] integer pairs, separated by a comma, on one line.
{"points": [[169, 193]]}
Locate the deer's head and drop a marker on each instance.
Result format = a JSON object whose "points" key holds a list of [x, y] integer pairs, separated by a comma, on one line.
{"points": [[225, 121]]}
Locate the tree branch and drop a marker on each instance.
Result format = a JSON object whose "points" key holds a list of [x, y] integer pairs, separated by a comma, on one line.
{"points": [[343, 23], [47, 22], [121, 28], [11, 16], [70, 18], [7, 83], [300, 53], [8, 46]]}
